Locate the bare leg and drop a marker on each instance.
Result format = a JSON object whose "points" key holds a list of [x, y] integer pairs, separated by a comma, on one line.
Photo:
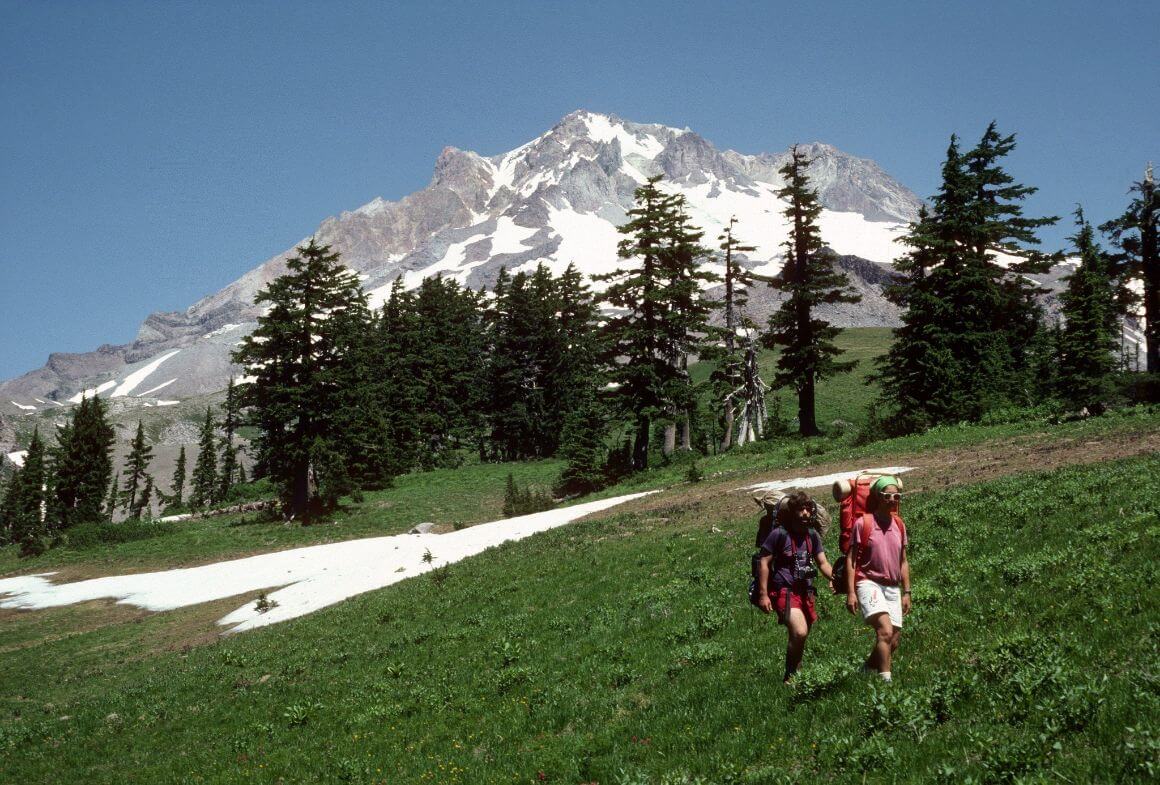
{"points": [[798, 632], [884, 638]]}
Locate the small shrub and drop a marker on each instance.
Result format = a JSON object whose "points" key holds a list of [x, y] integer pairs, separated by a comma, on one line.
{"points": [[523, 501], [264, 603], [694, 473]]}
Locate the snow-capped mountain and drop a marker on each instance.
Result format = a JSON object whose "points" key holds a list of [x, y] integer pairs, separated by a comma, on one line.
{"points": [[556, 199]]}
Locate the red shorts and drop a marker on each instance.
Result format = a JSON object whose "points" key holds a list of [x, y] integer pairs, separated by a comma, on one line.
{"points": [[797, 600]]}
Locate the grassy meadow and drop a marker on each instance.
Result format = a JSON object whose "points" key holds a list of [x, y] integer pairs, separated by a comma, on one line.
{"points": [[621, 649]]}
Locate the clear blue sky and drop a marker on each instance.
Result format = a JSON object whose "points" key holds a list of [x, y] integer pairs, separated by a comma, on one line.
{"points": [[152, 152]]}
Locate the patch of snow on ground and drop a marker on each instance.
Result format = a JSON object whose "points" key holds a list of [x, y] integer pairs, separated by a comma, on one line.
{"points": [[93, 391], [225, 328], [155, 389], [312, 578], [602, 129], [22, 406], [826, 479], [850, 233], [586, 240], [138, 376], [760, 223], [509, 237], [168, 403], [452, 262], [18, 457]]}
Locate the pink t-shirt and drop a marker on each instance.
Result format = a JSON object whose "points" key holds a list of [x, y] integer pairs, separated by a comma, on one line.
{"points": [[879, 560]]}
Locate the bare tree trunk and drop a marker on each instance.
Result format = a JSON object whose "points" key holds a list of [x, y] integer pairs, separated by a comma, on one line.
{"points": [[727, 439], [640, 445], [669, 446], [686, 431]]}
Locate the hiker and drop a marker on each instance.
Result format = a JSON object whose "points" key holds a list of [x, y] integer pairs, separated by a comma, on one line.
{"points": [[879, 584], [786, 555]]}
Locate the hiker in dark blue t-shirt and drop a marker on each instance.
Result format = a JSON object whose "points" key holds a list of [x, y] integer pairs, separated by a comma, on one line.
{"points": [[785, 576]]}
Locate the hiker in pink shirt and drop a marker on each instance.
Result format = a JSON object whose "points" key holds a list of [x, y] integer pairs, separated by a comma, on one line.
{"points": [[879, 584]]}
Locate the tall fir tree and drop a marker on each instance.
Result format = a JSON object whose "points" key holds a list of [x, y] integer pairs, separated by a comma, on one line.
{"points": [[144, 505], [24, 508], [177, 483], [918, 374], [1087, 349], [135, 472], [970, 325], [204, 483], [686, 317], [297, 354], [82, 466], [647, 342], [809, 278], [1135, 235], [231, 420]]}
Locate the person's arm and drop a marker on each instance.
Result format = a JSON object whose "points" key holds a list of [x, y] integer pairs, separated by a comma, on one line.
{"points": [[823, 563], [905, 566], [763, 600], [824, 566], [851, 567]]}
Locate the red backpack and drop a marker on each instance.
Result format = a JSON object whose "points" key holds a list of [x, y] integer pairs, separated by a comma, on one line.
{"points": [[852, 496]]}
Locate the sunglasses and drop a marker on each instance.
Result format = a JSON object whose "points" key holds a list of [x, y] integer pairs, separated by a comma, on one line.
{"points": [[892, 497]]}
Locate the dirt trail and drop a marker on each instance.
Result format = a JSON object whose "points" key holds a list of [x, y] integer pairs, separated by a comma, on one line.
{"points": [[935, 469]]}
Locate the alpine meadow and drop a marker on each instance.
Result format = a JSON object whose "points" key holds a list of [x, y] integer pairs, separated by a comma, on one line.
{"points": [[540, 473]]}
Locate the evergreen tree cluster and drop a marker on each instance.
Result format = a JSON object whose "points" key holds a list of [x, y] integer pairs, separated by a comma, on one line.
{"points": [[345, 399], [63, 486]]}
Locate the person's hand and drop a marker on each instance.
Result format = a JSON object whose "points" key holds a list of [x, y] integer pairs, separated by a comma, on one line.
{"points": [[851, 602], [905, 604], [765, 604]]}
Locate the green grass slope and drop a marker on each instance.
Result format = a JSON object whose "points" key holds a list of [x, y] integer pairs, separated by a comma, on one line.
{"points": [[623, 651]]}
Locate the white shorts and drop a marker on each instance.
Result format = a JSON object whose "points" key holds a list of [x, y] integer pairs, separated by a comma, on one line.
{"points": [[874, 598]]}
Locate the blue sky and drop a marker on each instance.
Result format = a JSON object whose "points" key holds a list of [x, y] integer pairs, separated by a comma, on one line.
{"points": [[153, 152]]}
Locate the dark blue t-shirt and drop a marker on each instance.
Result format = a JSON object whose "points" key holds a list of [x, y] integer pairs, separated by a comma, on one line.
{"points": [[781, 544]]}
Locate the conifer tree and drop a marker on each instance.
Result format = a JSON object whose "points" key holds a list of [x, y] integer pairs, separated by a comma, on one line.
{"points": [[647, 342], [809, 278], [135, 471], [1135, 235], [296, 354], [82, 466], [918, 373], [178, 481], [113, 500], [970, 325], [446, 360], [205, 479], [738, 385], [574, 378], [1087, 350], [25, 501], [686, 316], [231, 419], [144, 500]]}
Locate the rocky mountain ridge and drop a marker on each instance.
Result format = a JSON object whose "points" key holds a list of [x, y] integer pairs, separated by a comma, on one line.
{"points": [[556, 199]]}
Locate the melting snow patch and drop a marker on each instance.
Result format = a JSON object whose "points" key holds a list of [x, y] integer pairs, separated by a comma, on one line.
{"points": [[18, 457], [312, 578], [138, 376], [155, 389], [93, 391], [168, 403], [22, 406], [225, 328]]}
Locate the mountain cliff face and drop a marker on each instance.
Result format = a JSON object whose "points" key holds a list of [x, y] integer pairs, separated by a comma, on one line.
{"points": [[556, 200]]}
